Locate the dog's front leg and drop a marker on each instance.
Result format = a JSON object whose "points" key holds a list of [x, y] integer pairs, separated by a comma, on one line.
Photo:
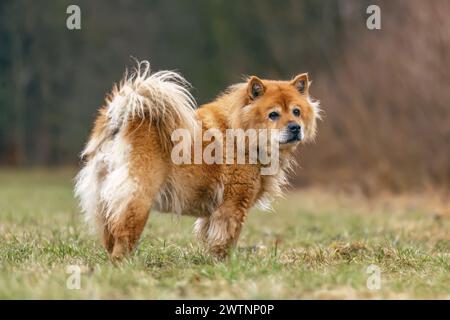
{"points": [[221, 230]]}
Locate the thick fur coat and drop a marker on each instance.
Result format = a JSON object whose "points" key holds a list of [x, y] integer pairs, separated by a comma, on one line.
{"points": [[128, 168]]}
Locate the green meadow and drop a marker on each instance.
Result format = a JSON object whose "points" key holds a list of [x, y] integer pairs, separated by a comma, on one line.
{"points": [[316, 244]]}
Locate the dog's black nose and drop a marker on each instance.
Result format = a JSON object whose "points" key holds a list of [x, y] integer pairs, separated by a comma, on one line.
{"points": [[293, 127]]}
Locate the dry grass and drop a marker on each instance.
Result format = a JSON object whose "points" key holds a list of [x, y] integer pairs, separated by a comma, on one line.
{"points": [[317, 244]]}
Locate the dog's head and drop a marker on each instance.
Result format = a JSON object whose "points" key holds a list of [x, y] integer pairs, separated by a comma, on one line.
{"points": [[283, 105]]}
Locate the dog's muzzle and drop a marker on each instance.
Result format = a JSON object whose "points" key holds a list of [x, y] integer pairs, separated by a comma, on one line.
{"points": [[292, 133]]}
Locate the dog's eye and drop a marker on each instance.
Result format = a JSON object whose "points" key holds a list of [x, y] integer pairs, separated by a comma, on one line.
{"points": [[274, 115], [296, 112]]}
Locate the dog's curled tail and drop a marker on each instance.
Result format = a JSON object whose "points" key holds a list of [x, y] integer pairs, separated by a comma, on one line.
{"points": [[161, 99]]}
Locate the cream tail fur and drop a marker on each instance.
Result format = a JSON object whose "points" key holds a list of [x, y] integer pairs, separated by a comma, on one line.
{"points": [[104, 185]]}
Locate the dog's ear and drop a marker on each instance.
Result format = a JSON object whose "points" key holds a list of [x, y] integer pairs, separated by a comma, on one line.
{"points": [[301, 83], [255, 87]]}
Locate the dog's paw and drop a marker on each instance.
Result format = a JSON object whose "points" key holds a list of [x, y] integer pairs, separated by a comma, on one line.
{"points": [[220, 253]]}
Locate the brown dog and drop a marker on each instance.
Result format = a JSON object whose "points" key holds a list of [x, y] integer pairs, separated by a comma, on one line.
{"points": [[129, 159]]}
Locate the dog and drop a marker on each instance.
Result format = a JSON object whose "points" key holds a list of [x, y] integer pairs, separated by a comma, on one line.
{"points": [[128, 166]]}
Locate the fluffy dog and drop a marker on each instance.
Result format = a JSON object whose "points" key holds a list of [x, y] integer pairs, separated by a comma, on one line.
{"points": [[129, 169]]}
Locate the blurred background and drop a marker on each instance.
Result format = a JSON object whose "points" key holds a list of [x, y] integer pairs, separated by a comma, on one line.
{"points": [[385, 93]]}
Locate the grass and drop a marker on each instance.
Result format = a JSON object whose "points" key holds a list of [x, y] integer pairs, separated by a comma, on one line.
{"points": [[317, 244]]}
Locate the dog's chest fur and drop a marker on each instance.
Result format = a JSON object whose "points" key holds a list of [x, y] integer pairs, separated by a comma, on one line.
{"points": [[194, 197]]}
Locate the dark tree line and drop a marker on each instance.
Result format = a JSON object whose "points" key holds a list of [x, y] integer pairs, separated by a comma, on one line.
{"points": [[377, 87]]}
